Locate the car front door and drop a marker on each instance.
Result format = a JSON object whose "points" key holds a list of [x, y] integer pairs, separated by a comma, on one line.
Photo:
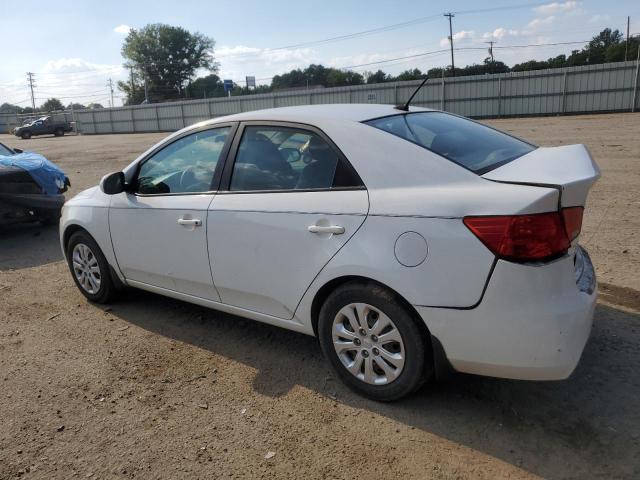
{"points": [[158, 227], [288, 201], [38, 127]]}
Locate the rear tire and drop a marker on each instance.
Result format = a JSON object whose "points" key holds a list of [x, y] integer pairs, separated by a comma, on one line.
{"points": [[89, 268], [59, 132], [383, 364]]}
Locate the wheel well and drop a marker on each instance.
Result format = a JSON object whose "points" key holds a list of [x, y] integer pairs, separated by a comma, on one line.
{"points": [[326, 289], [70, 230], [436, 355]]}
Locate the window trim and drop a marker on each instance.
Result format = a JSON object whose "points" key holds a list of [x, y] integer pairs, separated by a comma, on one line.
{"points": [[480, 172], [217, 173], [227, 173]]}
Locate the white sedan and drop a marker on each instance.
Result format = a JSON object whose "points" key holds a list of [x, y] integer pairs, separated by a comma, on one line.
{"points": [[406, 241]]}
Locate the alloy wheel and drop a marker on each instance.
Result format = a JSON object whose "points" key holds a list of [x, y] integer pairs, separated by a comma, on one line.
{"points": [[86, 268], [368, 343]]}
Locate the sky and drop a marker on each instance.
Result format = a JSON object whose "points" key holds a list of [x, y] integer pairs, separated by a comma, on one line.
{"points": [[74, 47]]}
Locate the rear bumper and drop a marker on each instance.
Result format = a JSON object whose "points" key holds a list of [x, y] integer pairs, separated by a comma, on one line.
{"points": [[532, 323]]}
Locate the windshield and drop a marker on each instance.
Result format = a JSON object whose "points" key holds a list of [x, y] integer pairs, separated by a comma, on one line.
{"points": [[4, 150], [471, 145]]}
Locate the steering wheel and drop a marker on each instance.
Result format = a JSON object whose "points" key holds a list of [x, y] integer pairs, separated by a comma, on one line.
{"points": [[187, 178]]}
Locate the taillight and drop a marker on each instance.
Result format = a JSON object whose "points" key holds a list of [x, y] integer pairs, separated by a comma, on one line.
{"points": [[572, 218], [525, 238]]}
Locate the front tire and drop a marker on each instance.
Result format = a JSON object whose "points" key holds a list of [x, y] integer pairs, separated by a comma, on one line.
{"points": [[89, 268], [25, 135], [373, 342]]}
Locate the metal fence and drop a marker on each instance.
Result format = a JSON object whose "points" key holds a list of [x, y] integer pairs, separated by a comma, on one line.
{"points": [[611, 87]]}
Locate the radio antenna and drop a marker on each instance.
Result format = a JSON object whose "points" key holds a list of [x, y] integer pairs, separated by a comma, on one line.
{"points": [[405, 107]]}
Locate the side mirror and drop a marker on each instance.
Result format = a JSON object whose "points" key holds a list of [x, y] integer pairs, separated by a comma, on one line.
{"points": [[18, 150], [113, 183]]}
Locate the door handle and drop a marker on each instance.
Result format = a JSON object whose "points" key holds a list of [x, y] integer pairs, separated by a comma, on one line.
{"points": [[191, 222], [335, 229]]}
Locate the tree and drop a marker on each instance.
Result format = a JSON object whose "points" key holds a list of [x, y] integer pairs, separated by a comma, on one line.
{"points": [[52, 104], [75, 106], [315, 75], [414, 74], [167, 57], [377, 77], [94, 106], [10, 108], [206, 87], [598, 46]]}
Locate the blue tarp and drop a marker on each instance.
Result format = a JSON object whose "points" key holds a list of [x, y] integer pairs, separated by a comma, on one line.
{"points": [[44, 173]]}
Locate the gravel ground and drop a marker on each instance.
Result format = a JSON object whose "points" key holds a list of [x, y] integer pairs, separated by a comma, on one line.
{"points": [[155, 388]]}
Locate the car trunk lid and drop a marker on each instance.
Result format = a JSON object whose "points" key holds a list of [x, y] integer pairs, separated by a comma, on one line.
{"points": [[568, 168]]}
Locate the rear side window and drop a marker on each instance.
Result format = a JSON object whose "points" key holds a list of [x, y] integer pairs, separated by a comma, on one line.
{"points": [[471, 145], [277, 158]]}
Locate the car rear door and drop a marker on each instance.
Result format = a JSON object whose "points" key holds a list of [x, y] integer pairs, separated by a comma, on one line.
{"points": [[158, 228], [289, 200]]}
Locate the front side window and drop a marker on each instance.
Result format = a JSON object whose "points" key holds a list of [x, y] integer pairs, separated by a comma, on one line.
{"points": [[283, 158], [469, 144], [185, 166]]}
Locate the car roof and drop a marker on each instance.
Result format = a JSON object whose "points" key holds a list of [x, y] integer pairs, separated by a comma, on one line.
{"points": [[355, 112]]}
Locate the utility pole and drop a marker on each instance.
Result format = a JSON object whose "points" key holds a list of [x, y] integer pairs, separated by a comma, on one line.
{"points": [[110, 85], [132, 85], [491, 42], [146, 90], [30, 78], [626, 46], [453, 67]]}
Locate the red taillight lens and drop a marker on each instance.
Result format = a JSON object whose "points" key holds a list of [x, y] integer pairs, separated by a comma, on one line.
{"points": [[522, 238], [572, 221]]}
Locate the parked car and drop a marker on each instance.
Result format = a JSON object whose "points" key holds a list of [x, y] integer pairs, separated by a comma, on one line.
{"points": [[43, 126], [31, 187], [406, 241]]}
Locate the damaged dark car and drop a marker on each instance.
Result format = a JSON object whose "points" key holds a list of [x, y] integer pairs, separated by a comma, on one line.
{"points": [[31, 188]]}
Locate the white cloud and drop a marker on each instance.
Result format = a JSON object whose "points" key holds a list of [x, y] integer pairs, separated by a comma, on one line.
{"points": [[240, 60], [458, 36], [500, 33], [123, 29], [70, 80], [600, 18], [556, 7], [541, 22], [77, 65]]}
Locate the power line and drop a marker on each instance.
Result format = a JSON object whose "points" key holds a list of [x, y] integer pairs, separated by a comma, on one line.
{"points": [[385, 28], [459, 49]]}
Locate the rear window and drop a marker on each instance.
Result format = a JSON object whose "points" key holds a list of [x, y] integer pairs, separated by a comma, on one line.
{"points": [[469, 144]]}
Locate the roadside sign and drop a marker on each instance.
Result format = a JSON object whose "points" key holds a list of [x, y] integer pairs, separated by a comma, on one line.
{"points": [[251, 81], [228, 85]]}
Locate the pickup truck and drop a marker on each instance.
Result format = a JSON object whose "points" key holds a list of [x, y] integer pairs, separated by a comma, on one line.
{"points": [[43, 126]]}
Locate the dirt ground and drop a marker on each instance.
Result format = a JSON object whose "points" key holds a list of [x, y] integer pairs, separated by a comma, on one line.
{"points": [[155, 388]]}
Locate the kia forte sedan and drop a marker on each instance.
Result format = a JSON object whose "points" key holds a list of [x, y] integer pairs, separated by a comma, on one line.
{"points": [[408, 242]]}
